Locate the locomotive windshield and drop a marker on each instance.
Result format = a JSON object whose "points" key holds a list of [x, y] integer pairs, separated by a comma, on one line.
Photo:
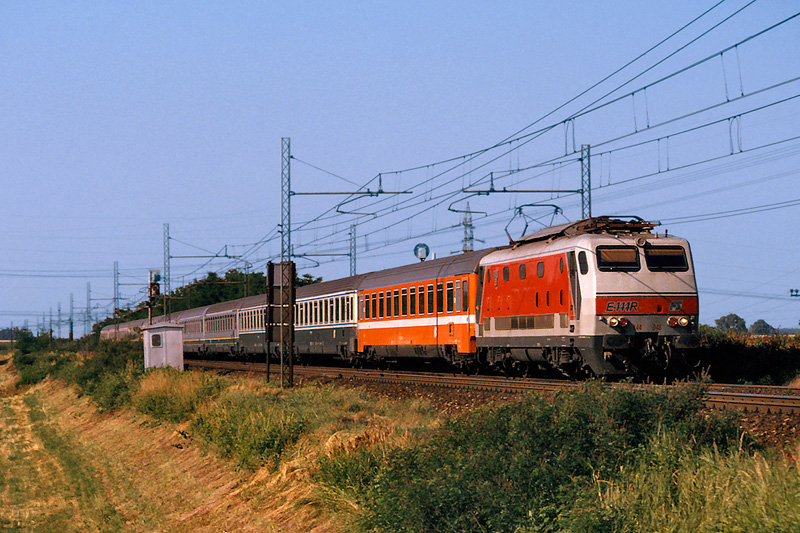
{"points": [[666, 259], [617, 258]]}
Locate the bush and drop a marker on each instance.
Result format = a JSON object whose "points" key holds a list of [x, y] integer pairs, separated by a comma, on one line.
{"points": [[520, 466], [741, 358], [251, 428], [169, 394]]}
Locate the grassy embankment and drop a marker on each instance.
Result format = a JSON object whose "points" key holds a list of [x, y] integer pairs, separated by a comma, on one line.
{"points": [[320, 458]]}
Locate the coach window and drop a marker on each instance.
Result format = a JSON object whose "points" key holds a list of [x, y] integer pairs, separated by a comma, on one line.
{"points": [[363, 306], [396, 306], [404, 300], [540, 269], [374, 306], [449, 296], [505, 273], [421, 290], [430, 299], [412, 301], [582, 263], [522, 271], [380, 305], [440, 297], [458, 295], [337, 309], [388, 304], [465, 296]]}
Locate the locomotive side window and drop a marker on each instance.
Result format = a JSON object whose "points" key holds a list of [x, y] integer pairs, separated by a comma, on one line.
{"points": [[617, 258], [665, 259], [540, 269], [430, 299], [439, 297], [522, 271], [505, 273], [561, 265], [412, 300], [449, 296], [465, 296], [582, 263]]}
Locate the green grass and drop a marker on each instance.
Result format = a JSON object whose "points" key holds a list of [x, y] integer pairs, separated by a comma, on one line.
{"points": [[82, 483], [672, 488], [521, 466]]}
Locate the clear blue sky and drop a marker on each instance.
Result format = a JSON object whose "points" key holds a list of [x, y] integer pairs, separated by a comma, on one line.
{"points": [[118, 117]]}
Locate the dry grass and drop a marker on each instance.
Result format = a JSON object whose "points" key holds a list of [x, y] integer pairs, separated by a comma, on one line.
{"points": [[66, 467]]}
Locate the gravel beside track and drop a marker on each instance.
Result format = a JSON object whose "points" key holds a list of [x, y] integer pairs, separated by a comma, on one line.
{"points": [[454, 395]]}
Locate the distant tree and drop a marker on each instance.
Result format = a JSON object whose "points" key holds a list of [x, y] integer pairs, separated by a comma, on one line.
{"points": [[731, 322], [207, 291], [760, 327], [306, 279]]}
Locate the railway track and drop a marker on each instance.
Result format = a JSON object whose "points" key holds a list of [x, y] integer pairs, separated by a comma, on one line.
{"points": [[747, 398]]}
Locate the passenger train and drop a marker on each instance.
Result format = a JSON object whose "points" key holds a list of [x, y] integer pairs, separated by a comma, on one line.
{"points": [[604, 297]]}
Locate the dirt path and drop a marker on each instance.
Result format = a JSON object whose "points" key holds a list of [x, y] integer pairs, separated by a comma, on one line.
{"points": [[65, 467]]}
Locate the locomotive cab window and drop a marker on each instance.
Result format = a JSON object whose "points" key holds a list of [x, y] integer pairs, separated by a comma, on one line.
{"points": [[617, 258], [582, 263], [666, 259]]}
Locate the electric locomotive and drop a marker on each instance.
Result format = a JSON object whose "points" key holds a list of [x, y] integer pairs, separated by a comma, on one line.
{"points": [[597, 297]]}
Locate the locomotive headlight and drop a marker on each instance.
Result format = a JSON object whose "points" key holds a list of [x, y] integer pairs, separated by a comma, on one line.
{"points": [[623, 322], [613, 322], [672, 321], [683, 321]]}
